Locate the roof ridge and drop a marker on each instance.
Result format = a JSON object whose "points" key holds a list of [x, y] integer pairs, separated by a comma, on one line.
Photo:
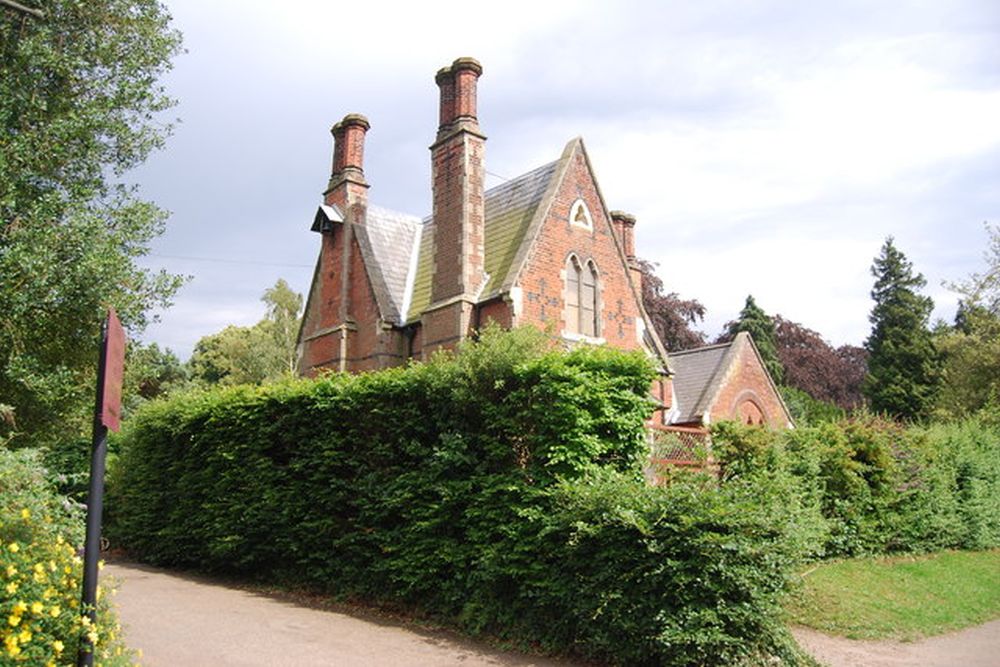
{"points": [[703, 348]]}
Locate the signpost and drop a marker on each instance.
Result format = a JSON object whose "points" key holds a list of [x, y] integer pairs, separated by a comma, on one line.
{"points": [[106, 415]]}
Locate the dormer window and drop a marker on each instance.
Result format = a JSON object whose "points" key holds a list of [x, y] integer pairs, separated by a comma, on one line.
{"points": [[582, 311], [580, 216]]}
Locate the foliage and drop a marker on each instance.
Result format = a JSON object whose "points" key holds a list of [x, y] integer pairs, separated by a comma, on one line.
{"points": [[499, 489], [251, 355], [902, 363], [899, 597], [40, 596], [806, 410], [78, 99], [982, 290], [970, 373], [811, 365], [672, 317], [881, 487], [760, 326], [970, 376]]}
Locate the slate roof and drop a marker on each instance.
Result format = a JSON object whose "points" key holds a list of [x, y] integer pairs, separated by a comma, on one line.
{"points": [[398, 247], [697, 374], [388, 240]]}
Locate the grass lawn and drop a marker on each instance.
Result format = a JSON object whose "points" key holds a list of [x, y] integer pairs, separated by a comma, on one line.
{"points": [[900, 597]]}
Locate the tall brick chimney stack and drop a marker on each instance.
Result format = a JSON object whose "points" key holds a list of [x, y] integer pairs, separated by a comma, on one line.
{"points": [[457, 174], [624, 227], [347, 178]]}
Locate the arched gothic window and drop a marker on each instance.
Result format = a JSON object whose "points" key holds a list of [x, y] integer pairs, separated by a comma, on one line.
{"points": [[582, 312]]}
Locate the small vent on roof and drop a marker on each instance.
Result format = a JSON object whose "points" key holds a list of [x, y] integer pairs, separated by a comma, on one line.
{"points": [[326, 216]]}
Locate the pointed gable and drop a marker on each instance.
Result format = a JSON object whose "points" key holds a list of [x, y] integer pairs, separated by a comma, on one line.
{"points": [[726, 381]]}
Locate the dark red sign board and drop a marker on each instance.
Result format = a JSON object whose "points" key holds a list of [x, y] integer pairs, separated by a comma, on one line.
{"points": [[114, 367]]}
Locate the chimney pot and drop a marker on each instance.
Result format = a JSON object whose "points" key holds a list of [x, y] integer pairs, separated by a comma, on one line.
{"points": [[624, 225], [458, 92], [349, 146]]}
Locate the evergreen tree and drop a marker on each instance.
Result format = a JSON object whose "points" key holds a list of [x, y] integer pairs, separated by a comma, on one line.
{"points": [[902, 363], [756, 322]]}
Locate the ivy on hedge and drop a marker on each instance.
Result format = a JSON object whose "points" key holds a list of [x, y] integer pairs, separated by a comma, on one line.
{"points": [[499, 489]]}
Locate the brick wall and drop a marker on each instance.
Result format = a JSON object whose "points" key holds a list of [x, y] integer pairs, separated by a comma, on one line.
{"points": [[747, 392], [543, 278]]}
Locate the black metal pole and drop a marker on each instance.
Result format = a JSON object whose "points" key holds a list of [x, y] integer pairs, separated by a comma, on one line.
{"points": [[95, 507]]}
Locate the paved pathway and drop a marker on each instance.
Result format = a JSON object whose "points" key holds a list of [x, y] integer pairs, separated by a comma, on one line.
{"points": [[182, 620], [972, 647]]}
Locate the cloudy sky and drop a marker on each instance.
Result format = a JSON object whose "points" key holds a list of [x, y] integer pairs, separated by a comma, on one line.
{"points": [[766, 148]]}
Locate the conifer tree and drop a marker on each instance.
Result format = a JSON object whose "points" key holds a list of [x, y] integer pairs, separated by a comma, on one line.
{"points": [[902, 363], [756, 322]]}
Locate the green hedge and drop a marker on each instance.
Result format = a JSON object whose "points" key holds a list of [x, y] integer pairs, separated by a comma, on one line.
{"points": [[880, 487], [499, 490]]}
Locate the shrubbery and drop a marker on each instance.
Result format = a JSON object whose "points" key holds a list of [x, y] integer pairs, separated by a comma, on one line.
{"points": [[40, 617], [500, 490], [879, 487]]}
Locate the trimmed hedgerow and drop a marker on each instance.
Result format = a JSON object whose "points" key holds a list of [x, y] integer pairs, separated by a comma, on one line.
{"points": [[500, 490], [882, 487]]}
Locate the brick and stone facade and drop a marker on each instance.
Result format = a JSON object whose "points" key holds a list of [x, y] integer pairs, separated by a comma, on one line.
{"points": [[541, 249]]}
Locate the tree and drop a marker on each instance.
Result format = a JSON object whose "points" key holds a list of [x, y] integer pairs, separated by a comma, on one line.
{"points": [[903, 363], [283, 308], [756, 322], [252, 355], [970, 377], [78, 104], [811, 365], [672, 317]]}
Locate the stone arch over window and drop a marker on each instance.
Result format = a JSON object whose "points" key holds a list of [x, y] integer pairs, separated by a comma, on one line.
{"points": [[582, 297], [579, 215], [747, 409]]}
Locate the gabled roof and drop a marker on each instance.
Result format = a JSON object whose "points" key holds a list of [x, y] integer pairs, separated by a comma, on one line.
{"points": [[700, 373], [398, 248], [388, 242], [509, 210]]}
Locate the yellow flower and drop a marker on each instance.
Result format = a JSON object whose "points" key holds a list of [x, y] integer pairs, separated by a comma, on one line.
{"points": [[55, 611], [11, 570], [37, 608], [39, 568], [11, 588], [58, 646], [25, 636], [92, 636], [20, 607], [25, 513], [13, 620], [13, 547]]}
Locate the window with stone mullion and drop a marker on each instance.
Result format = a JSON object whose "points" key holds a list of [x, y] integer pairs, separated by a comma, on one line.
{"points": [[588, 302], [573, 296]]}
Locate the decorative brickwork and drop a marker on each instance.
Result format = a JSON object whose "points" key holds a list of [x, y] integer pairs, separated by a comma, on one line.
{"points": [[540, 249]]}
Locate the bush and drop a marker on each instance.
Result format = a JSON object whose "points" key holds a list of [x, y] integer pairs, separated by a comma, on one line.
{"points": [[500, 490], [40, 617], [881, 487]]}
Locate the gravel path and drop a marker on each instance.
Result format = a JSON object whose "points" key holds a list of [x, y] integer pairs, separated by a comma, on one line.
{"points": [[181, 620], [972, 647], [186, 620]]}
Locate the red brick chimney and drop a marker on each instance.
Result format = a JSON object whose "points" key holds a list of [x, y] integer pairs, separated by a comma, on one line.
{"points": [[624, 227], [347, 184], [457, 174]]}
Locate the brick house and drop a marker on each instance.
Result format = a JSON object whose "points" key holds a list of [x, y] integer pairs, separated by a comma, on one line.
{"points": [[542, 248]]}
